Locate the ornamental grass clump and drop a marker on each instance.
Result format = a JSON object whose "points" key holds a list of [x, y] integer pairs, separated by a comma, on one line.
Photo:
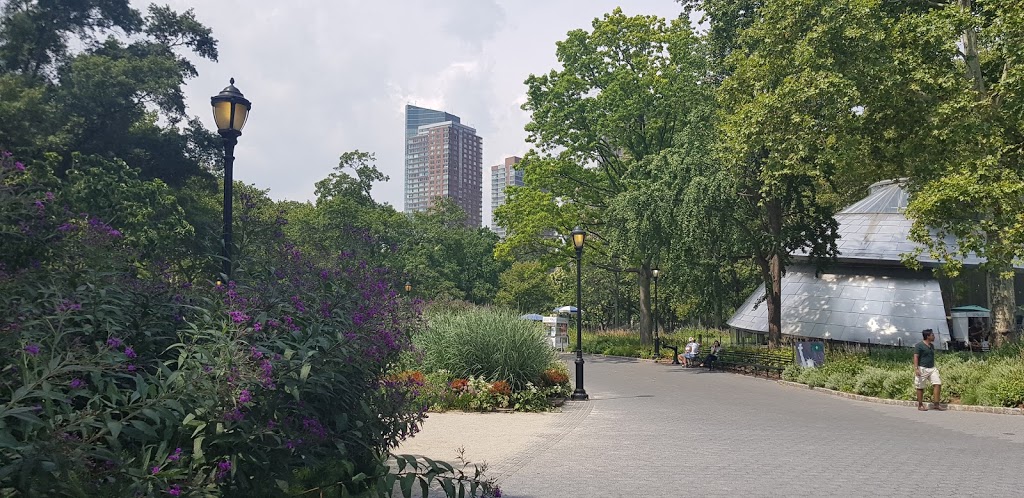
{"points": [[485, 343]]}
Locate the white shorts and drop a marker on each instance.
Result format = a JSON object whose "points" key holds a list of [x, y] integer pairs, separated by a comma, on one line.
{"points": [[927, 375]]}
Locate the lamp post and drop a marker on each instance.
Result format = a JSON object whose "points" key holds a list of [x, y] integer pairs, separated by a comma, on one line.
{"points": [[578, 238], [655, 272], [230, 110], [408, 288], [615, 270]]}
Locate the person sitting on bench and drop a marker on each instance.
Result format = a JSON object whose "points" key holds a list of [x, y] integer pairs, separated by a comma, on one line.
{"points": [[690, 353], [712, 356]]}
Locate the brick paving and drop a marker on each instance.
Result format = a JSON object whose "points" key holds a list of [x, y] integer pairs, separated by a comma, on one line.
{"points": [[660, 430]]}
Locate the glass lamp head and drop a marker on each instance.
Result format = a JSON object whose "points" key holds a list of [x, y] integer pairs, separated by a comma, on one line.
{"points": [[230, 110], [578, 238]]}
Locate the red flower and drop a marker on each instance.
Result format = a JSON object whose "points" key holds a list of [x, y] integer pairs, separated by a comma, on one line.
{"points": [[501, 387]]}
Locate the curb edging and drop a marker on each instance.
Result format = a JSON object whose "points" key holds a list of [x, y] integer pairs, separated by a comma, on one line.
{"points": [[899, 402]]}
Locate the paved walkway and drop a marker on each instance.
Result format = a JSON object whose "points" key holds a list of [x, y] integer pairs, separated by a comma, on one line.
{"points": [[660, 430]]}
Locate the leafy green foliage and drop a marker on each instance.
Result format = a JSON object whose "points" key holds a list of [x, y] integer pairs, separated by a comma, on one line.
{"points": [[108, 98], [624, 91], [126, 378], [992, 379], [527, 287], [625, 343]]}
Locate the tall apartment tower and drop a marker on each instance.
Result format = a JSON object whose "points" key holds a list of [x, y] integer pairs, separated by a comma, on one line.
{"points": [[503, 175], [443, 158]]}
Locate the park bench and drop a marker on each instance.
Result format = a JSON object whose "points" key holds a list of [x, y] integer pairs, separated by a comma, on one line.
{"points": [[675, 351], [752, 362]]}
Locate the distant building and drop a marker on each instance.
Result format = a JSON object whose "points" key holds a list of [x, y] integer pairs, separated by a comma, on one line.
{"points": [[443, 158], [503, 175]]}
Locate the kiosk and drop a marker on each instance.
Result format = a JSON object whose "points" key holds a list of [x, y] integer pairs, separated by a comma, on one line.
{"points": [[557, 329], [968, 318]]}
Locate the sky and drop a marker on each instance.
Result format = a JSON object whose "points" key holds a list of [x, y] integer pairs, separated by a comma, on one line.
{"points": [[329, 76]]}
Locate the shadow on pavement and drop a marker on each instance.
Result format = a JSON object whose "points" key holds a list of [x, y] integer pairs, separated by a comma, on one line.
{"points": [[609, 359], [602, 398]]}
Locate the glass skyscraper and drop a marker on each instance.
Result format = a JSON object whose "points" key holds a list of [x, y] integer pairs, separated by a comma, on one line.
{"points": [[443, 158], [503, 175], [419, 116]]}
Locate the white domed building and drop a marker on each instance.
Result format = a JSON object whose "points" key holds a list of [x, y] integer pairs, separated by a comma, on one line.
{"points": [[868, 295]]}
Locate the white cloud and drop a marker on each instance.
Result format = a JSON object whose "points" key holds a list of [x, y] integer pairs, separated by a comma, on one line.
{"points": [[330, 76]]}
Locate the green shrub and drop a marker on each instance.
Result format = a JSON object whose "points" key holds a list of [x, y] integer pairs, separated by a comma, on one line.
{"points": [[791, 373], [899, 385], [530, 399], [871, 381], [1004, 387], [485, 343], [436, 394], [814, 377]]}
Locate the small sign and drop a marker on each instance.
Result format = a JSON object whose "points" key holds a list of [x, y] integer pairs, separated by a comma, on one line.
{"points": [[810, 354]]}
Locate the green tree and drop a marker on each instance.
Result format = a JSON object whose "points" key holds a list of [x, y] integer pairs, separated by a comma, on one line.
{"points": [[526, 286], [625, 90], [120, 96], [794, 121], [445, 259], [975, 192]]}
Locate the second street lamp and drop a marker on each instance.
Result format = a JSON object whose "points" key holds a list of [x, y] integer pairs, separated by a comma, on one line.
{"points": [[230, 110], [408, 287], [578, 238], [655, 272]]}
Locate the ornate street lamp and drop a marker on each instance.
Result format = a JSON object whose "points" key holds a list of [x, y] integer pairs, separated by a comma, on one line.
{"points": [[578, 238], [655, 272], [408, 287], [230, 110]]}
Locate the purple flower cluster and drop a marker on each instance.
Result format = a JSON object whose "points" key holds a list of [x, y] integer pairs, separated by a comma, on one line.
{"points": [[99, 226], [174, 457], [77, 383], [174, 490], [313, 427], [244, 397], [267, 374], [238, 316], [114, 342], [66, 306], [223, 468], [32, 349]]}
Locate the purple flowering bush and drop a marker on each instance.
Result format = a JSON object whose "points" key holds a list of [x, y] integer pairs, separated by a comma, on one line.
{"points": [[125, 378]]}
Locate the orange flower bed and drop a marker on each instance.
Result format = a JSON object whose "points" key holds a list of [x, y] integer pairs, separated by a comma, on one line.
{"points": [[501, 387], [409, 376], [459, 384], [554, 377]]}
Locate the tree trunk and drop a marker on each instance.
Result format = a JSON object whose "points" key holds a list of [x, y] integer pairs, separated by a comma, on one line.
{"points": [[773, 284], [646, 324], [1002, 304], [969, 40], [774, 302]]}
